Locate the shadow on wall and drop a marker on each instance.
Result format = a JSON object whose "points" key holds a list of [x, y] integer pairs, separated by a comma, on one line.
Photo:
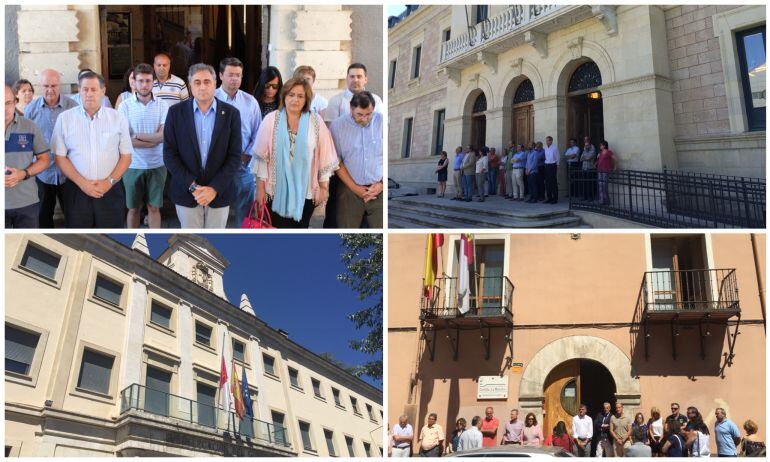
{"points": [[689, 360], [470, 364]]}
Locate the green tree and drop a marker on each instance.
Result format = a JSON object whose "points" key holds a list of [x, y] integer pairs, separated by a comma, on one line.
{"points": [[362, 256]]}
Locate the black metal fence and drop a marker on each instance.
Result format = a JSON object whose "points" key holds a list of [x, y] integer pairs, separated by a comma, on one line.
{"points": [[671, 199], [690, 290]]}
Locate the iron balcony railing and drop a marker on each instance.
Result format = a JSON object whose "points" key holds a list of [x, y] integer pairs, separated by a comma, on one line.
{"points": [[490, 297], [671, 199], [690, 291], [164, 404]]}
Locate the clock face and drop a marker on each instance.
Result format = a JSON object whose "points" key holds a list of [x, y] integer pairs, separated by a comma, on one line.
{"points": [[201, 275]]}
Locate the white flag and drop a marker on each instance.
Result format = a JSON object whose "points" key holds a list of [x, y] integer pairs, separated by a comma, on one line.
{"points": [[463, 284]]}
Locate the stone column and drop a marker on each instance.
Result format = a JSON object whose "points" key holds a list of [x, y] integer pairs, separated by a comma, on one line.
{"points": [[454, 129], [551, 120], [136, 310], [495, 129], [262, 411], [185, 338]]}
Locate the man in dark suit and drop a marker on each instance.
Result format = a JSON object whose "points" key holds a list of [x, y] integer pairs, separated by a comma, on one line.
{"points": [[202, 151]]}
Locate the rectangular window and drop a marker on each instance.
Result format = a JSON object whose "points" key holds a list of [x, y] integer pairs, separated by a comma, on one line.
{"points": [[108, 290], [160, 315], [406, 150], [354, 405], [367, 449], [20, 346], [279, 431], [316, 388], [438, 129], [40, 262], [304, 430], [336, 394], [490, 259], [294, 378], [446, 35], [156, 397], [202, 334], [206, 402], [95, 372], [751, 54], [370, 411], [416, 55], [239, 351], [269, 363], [392, 75], [482, 13], [349, 444], [329, 435]]}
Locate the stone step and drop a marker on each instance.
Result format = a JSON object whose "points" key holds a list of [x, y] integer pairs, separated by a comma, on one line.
{"points": [[432, 218], [493, 207], [400, 223]]}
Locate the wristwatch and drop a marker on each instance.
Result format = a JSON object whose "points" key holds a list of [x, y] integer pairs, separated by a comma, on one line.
{"points": [[26, 175], [112, 180], [193, 187]]}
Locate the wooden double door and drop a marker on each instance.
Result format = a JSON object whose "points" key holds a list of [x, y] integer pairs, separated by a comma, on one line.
{"points": [[572, 383], [523, 129]]}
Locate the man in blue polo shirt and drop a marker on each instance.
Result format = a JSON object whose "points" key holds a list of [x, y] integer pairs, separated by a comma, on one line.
{"points": [[26, 155], [457, 173], [727, 434]]}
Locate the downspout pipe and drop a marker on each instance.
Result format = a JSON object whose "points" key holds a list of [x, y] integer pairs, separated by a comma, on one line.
{"points": [[760, 279]]}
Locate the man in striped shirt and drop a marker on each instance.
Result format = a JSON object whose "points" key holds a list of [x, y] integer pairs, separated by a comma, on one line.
{"points": [[358, 138], [146, 177], [167, 86]]}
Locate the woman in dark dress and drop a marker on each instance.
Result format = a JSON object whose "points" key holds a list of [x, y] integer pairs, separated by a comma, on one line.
{"points": [[752, 446], [441, 170], [267, 90]]}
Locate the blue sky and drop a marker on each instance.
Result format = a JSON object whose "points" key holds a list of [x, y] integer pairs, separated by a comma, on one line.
{"points": [[395, 10], [291, 280]]}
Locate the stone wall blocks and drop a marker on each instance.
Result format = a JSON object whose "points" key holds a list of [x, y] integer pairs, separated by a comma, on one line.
{"points": [[47, 26], [696, 48], [702, 69], [694, 26], [323, 25]]}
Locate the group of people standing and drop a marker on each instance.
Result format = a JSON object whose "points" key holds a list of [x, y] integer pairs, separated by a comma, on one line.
{"points": [[223, 148], [528, 173], [609, 434]]}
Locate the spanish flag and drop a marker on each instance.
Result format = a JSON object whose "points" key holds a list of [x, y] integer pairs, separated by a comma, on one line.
{"points": [[435, 241], [235, 390]]}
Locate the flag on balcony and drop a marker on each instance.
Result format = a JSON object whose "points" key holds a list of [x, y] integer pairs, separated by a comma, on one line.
{"points": [[463, 284], [247, 405], [235, 389], [431, 263], [224, 392]]}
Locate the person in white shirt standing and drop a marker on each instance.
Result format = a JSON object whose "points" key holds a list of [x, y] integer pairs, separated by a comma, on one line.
{"points": [[472, 438], [551, 167], [482, 165], [93, 150], [403, 434], [356, 80], [582, 432]]}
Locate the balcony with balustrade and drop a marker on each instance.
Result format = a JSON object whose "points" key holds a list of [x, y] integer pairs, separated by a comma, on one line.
{"points": [[156, 423], [515, 26]]}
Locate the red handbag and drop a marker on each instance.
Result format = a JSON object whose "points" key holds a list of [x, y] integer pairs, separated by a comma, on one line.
{"points": [[262, 222]]}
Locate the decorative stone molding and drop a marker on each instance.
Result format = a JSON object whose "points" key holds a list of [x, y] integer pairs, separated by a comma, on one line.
{"points": [[488, 60], [575, 46], [643, 83], [608, 16], [539, 41]]}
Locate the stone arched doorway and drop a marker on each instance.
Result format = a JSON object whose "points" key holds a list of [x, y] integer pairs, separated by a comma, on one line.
{"points": [[479, 121], [572, 383], [579, 347], [585, 109], [523, 114]]}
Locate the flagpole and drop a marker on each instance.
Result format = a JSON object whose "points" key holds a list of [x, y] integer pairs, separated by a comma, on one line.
{"points": [[225, 390], [475, 273]]}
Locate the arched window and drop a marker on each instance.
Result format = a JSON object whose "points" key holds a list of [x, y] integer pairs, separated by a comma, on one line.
{"points": [[585, 77], [569, 398], [480, 105], [525, 92]]}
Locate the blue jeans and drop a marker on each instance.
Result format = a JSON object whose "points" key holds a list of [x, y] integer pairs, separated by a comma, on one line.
{"points": [[23, 217], [468, 186], [492, 181], [604, 197], [245, 190], [534, 183]]}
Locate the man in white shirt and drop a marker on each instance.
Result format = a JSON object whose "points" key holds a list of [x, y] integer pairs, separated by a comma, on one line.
{"points": [[356, 80], [402, 438], [572, 154], [551, 164], [472, 437], [93, 150], [482, 165], [582, 432]]}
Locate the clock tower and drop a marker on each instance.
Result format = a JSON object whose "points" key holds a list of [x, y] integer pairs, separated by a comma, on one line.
{"points": [[196, 259]]}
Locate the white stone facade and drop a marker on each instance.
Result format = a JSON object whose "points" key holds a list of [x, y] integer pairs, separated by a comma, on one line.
{"points": [[642, 90]]}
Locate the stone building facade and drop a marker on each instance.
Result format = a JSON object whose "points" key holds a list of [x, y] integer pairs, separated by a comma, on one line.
{"points": [[553, 322], [117, 354], [662, 83], [73, 37]]}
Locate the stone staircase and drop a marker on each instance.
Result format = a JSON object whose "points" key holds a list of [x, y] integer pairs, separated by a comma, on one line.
{"points": [[495, 212]]}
